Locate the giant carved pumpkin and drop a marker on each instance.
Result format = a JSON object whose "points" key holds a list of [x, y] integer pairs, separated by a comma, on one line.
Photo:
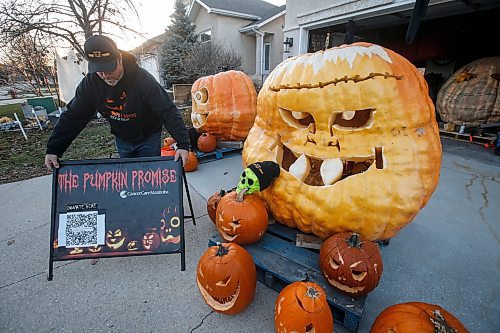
{"points": [[472, 95], [302, 307], [416, 317], [350, 264], [226, 277], [241, 218], [354, 132], [224, 105]]}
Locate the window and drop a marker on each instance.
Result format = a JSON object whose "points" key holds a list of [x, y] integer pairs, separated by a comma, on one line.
{"points": [[206, 36], [267, 57]]}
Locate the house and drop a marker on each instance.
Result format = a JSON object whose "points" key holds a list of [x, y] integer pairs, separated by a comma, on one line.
{"points": [[253, 28], [450, 31], [148, 56]]}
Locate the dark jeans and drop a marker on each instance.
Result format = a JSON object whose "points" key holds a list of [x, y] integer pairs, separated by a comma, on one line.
{"points": [[151, 146]]}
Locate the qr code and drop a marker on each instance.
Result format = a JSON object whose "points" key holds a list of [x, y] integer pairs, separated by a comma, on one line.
{"points": [[81, 229]]}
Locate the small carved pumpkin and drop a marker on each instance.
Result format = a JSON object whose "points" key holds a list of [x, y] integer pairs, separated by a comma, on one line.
{"points": [[167, 151], [416, 317], [354, 131], [207, 143], [76, 250], [226, 277], [115, 238], [351, 265], [224, 105], [471, 94], [241, 218], [302, 307], [168, 141], [95, 249], [133, 245], [191, 163], [151, 240], [213, 202]]}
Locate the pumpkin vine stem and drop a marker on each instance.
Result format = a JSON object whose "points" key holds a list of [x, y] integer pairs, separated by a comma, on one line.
{"points": [[440, 324], [221, 250], [312, 292], [239, 196], [354, 240]]}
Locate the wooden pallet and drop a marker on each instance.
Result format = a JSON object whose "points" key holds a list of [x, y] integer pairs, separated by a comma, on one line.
{"points": [[217, 154], [279, 262], [467, 137]]}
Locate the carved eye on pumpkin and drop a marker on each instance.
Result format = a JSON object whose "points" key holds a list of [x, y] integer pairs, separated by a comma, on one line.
{"points": [[336, 262], [201, 96], [297, 119], [353, 119]]}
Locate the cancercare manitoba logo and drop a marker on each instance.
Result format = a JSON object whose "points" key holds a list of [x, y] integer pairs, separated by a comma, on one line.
{"points": [[126, 194]]}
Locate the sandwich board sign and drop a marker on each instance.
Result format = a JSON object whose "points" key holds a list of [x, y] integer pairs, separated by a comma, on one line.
{"points": [[117, 207]]}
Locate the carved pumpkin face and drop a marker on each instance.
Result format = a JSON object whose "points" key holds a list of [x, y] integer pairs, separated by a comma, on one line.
{"points": [[226, 278], [242, 222], [115, 238], [133, 245], [302, 307], [207, 143], [353, 130], [351, 265], [169, 223], [76, 250], [95, 249], [151, 240], [224, 105], [416, 317]]}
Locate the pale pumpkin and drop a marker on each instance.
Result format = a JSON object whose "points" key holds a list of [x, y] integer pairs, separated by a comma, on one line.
{"points": [[354, 131], [224, 105], [472, 95]]}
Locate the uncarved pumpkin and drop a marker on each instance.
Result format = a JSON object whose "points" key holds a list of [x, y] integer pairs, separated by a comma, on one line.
{"points": [[351, 264], [472, 94], [354, 131], [226, 277], [191, 163], [224, 105], [302, 307], [416, 317], [241, 218]]}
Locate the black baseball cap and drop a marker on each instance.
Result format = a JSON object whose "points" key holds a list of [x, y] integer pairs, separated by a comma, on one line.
{"points": [[101, 53]]}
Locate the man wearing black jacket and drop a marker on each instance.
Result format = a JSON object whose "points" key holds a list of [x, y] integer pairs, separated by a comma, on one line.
{"points": [[133, 102]]}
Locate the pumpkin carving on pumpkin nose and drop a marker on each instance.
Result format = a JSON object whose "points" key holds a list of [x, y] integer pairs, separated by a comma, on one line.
{"points": [[302, 307], [353, 129], [224, 105], [351, 265], [226, 277]]}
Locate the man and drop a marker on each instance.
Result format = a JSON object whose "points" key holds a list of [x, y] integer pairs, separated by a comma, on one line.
{"points": [[133, 102]]}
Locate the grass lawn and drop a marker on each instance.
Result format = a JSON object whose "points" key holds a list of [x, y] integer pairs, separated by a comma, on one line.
{"points": [[23, 159], [8, 111]]}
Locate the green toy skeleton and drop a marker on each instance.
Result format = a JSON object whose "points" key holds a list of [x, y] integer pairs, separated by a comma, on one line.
{"points": [[258, 176]]}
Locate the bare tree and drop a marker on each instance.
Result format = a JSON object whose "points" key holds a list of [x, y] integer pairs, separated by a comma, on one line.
{"points": [[30, 61], [210, 58], [63, 20]]}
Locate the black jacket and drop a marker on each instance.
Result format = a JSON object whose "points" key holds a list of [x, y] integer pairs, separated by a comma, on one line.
{"points": [[135, 108]]}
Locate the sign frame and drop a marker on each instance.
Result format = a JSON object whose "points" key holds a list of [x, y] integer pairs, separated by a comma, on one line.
{"points": [[55, 210]]}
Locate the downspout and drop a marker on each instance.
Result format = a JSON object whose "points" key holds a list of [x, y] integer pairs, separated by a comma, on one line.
{"points": [[261, 53]]}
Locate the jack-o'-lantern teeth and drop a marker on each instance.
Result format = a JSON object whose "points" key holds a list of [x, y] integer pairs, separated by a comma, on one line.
{"points": [[322, 172], [219, 303]]}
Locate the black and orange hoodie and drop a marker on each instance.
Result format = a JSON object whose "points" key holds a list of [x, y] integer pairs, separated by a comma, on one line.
{"points": [[135, 108]]}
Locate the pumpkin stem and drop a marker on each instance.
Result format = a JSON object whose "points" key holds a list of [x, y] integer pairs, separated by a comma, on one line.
{"points": [[440, 324], [312, 292], [354, 240], [221, 250], [239, 196]]}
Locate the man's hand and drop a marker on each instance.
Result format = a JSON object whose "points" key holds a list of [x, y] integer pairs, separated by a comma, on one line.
{"points": [[51, 161], [183, 153]]}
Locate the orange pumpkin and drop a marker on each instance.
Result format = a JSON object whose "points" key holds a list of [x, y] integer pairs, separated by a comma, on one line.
{"points": [[415, 317], [302, 307], [191, 163], [167, 151], [213, 202], [226, 277], [471, 94], [168, 141], [224, 105], [207, 143], [241, 218], [354, 131], [351, 265]]}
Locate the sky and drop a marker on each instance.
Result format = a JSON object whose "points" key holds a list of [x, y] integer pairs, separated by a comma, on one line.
{"points": [[155, 17]]}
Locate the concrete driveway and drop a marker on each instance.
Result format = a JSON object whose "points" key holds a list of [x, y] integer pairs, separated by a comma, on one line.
{"points": [[450, 255]]}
